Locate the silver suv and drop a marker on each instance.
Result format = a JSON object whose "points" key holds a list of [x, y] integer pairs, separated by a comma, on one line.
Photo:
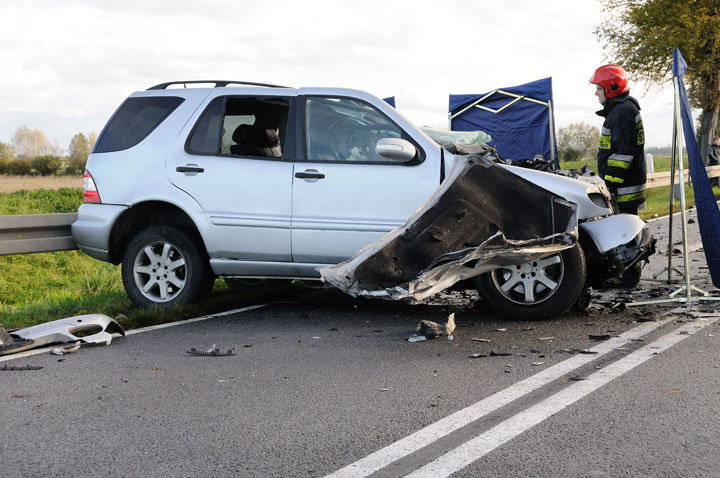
{"points": [[195, 180]]}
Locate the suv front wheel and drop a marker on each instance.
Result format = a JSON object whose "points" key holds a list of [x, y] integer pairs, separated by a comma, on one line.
{"points": [[163, 266], [535, 290]]}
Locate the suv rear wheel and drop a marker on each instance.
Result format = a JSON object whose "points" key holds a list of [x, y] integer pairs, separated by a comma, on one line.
{"points": [[535, 290], [163, 266]]}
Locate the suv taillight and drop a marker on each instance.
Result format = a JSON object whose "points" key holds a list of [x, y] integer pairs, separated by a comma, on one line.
{"points": [[90, 192]]}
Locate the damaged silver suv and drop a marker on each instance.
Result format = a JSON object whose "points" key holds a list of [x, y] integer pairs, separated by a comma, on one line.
{"points": [[190, 181]]}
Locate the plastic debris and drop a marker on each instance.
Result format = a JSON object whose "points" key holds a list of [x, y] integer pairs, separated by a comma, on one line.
{"points": [[68, 349], [535, 364], [474, 356], [577, 351], [476, 339], [494, 353], [211, 352], [545, 338], [88, 329], [11, 345], [417, 338], [504, 329], [599, 337], [20, 367]]}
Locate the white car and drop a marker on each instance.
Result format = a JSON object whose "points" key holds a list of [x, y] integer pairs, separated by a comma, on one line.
{"points": [[190, 181]]}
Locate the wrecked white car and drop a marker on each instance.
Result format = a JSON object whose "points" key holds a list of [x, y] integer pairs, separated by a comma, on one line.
{"points": [[194, 180], [532, 240]]}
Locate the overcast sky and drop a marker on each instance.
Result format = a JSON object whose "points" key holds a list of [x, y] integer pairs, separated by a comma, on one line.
{"points": [[67, 65]]}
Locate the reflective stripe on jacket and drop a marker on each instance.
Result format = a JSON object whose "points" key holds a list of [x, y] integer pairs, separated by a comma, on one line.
{"points": [[621, 150]]}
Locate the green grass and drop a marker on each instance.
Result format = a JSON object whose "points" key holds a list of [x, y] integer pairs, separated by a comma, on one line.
{"points": [[41, 201]]}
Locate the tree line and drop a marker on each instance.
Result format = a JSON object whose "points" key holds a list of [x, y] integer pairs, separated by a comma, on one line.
{"points": [[30, 152]]}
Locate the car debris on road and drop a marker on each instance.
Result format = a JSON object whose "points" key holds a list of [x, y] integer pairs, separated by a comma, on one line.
{"points": [[68, 349], [11, 345], [213, 351], [84, 329], [433, 330]]}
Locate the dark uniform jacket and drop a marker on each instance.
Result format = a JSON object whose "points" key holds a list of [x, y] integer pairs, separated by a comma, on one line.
{"points": [[621, 152]]}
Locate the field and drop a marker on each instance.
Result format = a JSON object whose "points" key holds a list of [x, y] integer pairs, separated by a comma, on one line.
{"points": [[9, 184], [36, 288]]}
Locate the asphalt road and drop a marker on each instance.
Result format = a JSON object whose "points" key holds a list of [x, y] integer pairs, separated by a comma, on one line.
{"points": [[326, 384]]}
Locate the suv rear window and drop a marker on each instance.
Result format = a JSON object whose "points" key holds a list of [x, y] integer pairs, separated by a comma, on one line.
{"points": [[134, 120]]}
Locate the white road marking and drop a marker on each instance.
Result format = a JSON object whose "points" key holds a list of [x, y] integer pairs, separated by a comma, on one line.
{"points": [[474, 449], [30, 353], [189, 321], [426, 436]]}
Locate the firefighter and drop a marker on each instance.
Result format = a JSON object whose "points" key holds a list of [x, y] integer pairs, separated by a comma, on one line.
{"points": [[621, 155]]}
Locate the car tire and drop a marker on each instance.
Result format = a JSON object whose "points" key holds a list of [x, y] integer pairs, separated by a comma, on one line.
{"points": [[553, 286], [163, 266]]}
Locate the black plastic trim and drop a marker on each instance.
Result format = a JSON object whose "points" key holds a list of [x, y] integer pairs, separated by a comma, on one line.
{"points": [[217, 83]]}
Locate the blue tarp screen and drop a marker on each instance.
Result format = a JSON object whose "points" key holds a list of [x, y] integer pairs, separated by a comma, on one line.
{"points": [[707, 209], [519, 131]]}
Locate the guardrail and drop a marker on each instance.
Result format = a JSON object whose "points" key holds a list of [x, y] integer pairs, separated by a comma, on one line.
{"points": [[658, 180], [32, 233]]}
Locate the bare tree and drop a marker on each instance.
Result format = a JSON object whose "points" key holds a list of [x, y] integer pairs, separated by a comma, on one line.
{"points": [[31, 143]]}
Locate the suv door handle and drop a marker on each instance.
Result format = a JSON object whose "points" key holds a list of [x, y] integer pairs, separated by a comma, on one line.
{"points": [[189, 169], [309, 175]]}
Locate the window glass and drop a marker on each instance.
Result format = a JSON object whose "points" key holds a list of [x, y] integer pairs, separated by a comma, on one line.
{"points": [[343, 129], [237, 126], [134, 121], [205, 136]]}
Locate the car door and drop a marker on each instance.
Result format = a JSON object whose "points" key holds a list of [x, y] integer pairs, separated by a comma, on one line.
{"points": [[345, 196], [237, 164]]}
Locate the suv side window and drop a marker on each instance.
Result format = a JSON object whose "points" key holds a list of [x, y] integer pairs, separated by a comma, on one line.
{"points": [[345, 129], [134, 121], [241, 126]]}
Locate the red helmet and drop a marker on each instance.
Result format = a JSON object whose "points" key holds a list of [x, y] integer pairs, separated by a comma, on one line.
{"points": [[613, 79]]}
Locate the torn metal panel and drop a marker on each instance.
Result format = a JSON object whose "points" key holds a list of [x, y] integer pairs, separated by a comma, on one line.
{"points": [[88, 329], [482, 217]]}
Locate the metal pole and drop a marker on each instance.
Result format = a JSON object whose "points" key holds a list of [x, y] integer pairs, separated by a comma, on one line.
{"points": [[553, 153], [688, 290]]}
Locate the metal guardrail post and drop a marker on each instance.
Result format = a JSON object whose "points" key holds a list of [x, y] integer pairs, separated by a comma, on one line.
{"points": [[27, 234]]}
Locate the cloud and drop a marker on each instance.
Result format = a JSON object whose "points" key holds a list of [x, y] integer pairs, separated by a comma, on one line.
{"points": [[69, 64]]}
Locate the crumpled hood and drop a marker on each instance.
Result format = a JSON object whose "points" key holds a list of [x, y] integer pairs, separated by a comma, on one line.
{"points": [[482, 217]]}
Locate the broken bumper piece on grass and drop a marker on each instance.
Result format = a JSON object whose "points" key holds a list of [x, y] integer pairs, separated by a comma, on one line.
{"points": [[87, 329], [481, 218]]}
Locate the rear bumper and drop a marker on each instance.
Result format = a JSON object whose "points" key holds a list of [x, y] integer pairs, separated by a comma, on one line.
{"points": [[92, 229]]}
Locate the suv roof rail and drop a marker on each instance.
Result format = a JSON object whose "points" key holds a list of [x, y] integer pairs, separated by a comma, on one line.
{"points": [[217, 83]]}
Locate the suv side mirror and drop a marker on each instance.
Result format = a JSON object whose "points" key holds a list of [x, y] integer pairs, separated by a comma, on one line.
{"points": [[396, 149]]}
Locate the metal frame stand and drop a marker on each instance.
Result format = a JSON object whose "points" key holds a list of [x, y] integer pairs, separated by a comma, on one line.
{"points": [[687, 287]]}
